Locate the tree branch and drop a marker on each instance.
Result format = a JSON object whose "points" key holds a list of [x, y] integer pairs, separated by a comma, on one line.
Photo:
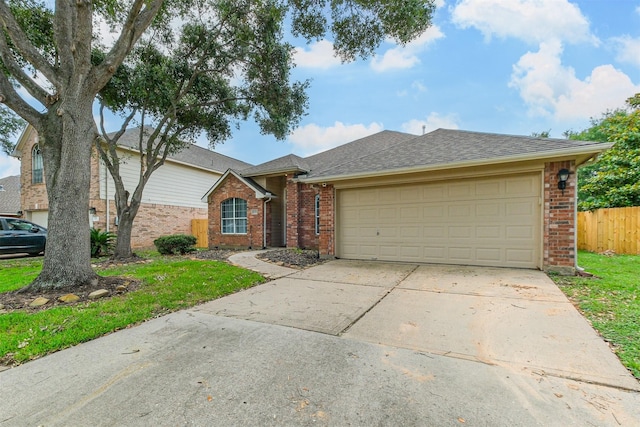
{"points": [[10, 97], [137, 21], [18, 73], [26, 48]]}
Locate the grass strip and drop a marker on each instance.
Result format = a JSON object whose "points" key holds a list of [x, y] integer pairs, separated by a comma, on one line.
{"points": [[167, 284], [610, 301]]}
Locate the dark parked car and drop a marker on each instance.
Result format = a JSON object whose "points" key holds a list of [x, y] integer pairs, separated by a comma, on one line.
{"points": [[19, 236]]}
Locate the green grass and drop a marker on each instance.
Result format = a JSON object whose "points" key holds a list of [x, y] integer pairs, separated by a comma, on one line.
{"points": [[610, 301], [167, 284]]}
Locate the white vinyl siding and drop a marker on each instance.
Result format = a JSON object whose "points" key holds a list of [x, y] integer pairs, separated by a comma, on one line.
{"points": [[172, 184], [492, 221]]}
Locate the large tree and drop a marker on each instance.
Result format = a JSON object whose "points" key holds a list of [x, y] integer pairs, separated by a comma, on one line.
{"points": [[51, 65], [217, 70], [48, 55], [614, 179]]}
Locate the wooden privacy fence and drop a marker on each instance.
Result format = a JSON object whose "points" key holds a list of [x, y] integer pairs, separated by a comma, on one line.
{"points": [[199, 229], [614, 229]]}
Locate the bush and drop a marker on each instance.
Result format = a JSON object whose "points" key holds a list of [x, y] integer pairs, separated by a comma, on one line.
{"points": [[175, 244], [101, 242]]}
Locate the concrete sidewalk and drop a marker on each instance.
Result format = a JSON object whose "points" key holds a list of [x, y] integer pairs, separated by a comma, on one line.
{"points": [[401, 344]]}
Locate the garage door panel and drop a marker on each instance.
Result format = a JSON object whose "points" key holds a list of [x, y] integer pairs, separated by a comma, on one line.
{"points": [[487, 221], [431, 212], [489, 255], [489, 232], [519, 232]]}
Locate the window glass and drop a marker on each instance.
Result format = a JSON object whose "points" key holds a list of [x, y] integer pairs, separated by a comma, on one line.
{"points": [[234, 216], [36, 165]]}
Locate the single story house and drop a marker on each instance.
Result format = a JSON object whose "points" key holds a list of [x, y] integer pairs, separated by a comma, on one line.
{"points": [[171, 198], [10, 196], [448, 196]]}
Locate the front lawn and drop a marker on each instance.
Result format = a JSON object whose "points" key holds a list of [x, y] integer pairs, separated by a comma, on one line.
{"points": [[166, 284], [610, 301]]}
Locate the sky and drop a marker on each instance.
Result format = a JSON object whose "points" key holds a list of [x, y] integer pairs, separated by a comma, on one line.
{"points": [[500, 66]]}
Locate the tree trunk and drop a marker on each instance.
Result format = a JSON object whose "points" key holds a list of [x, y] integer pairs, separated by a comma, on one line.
{"points": [[66, 140], [127, 212], [123, 240]]}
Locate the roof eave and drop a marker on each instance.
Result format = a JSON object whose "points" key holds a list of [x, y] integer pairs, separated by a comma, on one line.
{"points": [[279, 171], [584, 155], [172, 160]]}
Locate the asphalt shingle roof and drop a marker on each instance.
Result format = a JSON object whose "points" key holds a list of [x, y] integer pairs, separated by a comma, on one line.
{"points": [[10, 195], [192, 154], [444, 146], [327, 159], [286, 163]]}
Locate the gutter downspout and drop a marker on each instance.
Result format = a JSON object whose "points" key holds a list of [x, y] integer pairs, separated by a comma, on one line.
{"points": [[266, 199]]}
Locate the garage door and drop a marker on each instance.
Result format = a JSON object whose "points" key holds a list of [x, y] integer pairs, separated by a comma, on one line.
{"points": [[490, 221]]}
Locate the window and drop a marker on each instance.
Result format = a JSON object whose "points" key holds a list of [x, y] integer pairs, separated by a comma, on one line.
{"points": [[36, 165], [234, 216], [317, 214]]}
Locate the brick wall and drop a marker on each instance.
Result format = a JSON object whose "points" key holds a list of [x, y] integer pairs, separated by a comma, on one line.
{"points": [[151, 222], [293, 211], [301, 215], [559, 220], [327, 221], [230, 188], [32, 196]]}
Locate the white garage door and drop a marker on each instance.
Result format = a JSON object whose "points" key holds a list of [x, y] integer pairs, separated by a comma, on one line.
{"points": [[39, 217], [492, 221]]}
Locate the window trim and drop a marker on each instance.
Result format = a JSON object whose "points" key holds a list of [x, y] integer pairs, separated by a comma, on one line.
{"points": [[233, 220], [317, 213], [37, 165]]}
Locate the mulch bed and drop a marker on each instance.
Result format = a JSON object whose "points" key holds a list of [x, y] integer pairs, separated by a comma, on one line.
{"points": [[294, 258], [20, 300]]}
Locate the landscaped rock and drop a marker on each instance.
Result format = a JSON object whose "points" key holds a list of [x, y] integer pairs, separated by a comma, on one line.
{"points": [[69, 298], [38, 302], [121, 288], [100, 293]]}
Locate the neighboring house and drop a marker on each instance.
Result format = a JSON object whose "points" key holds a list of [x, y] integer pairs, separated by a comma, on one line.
{"points": [[171, 198], [10, 196], [448, 197]]}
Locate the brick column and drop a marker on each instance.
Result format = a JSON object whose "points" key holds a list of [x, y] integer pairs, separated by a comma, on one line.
{"points": [[327, 221], [293, 212], [559, 220]]}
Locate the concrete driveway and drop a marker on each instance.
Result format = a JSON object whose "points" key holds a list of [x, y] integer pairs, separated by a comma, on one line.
{"points": [[513, 318], [344, 343]]}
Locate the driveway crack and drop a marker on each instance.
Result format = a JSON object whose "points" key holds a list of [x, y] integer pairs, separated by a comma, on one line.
{"points": [[384, 295]]}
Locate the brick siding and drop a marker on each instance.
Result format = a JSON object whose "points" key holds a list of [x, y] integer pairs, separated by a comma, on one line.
{"points": [[559, 244], [232, 187], [327, 221]]}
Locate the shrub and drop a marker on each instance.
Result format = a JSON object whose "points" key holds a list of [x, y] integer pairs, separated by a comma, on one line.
{"points": [[101, 242], [175, 244]]}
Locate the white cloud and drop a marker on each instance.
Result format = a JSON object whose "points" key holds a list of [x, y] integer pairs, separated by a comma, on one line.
{"points": [[311, 139], [9, 166], [628, 50], [552, 89], [320, 55], [533, 21], [401, 57], [434, 121]]}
